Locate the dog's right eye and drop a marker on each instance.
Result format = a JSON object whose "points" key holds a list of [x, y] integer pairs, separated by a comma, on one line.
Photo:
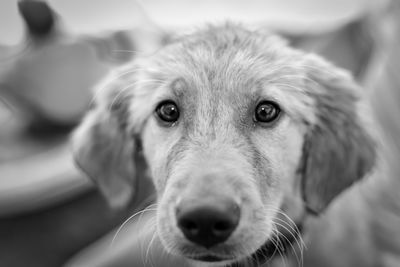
{"points": [[266, 112], [167, 111]]}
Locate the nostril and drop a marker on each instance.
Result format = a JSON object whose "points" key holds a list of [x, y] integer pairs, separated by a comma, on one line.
{"points": [[222, 227], [189, 226]]}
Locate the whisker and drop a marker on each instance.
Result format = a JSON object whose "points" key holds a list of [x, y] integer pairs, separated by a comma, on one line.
{"points": [[115, 77], [275, 232], [126, 221], [288, 241], [296, 234], [292, 227], [292, 223], [126, 51], [148, 249], [278, 245], [280, 211], [122, 91], [143, 244]]}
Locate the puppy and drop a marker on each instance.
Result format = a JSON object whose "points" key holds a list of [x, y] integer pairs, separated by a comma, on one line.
{"points": [[243, 136]]}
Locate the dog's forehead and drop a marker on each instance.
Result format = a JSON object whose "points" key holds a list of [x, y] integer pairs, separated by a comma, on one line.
{"points": [[217, 63], [226, 70]]}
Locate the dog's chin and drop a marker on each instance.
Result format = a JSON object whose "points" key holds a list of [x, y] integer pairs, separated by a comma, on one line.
{"points": [[263, 253], [207, 258], [203, 259]]}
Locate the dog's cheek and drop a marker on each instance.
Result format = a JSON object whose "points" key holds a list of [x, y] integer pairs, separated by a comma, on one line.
{"points": [[292, 156], [280, 149], [153, 151], [157, 142]]}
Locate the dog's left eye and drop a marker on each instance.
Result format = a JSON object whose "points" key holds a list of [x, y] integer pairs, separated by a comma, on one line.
{"points": [[266, 112], [168, 111]]}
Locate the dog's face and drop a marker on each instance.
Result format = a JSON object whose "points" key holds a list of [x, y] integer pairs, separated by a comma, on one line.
{"points": [[232, 122], [233, 141]]}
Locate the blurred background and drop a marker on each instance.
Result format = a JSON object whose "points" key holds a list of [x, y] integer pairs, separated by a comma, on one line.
{"points": [[53, 53]]}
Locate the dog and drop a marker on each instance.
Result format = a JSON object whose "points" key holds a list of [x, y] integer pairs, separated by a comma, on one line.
{"points": [[244, 139]]}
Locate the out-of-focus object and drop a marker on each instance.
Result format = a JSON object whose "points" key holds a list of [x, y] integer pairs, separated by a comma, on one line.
{"points": [[50, 81], [46, 86], [338, 30], [39, 181], [38, 16], [47, 208], [291, 16]]}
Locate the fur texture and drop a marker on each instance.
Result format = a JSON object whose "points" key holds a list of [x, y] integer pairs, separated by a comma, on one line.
{"points": [[316, 149]]}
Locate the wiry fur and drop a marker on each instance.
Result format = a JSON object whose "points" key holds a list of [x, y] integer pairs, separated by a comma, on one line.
{"points": [[217, 76]]}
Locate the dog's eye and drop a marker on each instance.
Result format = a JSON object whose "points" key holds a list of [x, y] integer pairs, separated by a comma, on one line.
{"points": [[168, 111], [266, 112]]}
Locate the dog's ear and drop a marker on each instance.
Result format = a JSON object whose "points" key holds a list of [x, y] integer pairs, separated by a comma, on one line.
{"points": [[338, 149], [103, 146]]}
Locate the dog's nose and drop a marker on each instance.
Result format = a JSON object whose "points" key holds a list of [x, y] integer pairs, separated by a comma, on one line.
{"points": [[207, 223]]}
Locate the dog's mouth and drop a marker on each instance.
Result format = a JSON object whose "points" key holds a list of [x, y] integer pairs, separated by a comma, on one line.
{"points": [[262, 255], [271, 246], [210, 258]]}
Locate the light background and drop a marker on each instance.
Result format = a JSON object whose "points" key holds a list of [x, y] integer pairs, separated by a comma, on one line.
{"points": [[88, 16]]}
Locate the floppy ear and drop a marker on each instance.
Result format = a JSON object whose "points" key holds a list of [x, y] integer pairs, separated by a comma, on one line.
{"points": [[338, 149], [104, 148]]}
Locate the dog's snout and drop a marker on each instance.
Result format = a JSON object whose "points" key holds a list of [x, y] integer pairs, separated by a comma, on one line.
{"points": [[208, 223]]}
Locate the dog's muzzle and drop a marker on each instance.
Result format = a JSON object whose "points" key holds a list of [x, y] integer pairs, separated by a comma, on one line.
{"points": [[207, 223]]}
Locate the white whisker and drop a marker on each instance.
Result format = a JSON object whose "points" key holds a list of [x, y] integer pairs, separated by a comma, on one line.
{"points": [[127, 51], [299, 259], [115, 99], [149, 247], [126, 221]]}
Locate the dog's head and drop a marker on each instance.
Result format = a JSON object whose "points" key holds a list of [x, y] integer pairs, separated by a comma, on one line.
{"points": [[232, 122]]}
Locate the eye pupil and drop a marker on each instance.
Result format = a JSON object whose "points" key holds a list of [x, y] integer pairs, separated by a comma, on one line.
{"points": [[168, 111], [266, 112]]}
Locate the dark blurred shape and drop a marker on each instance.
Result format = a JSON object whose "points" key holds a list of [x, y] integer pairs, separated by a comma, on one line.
{"points": [[38, 17]]}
